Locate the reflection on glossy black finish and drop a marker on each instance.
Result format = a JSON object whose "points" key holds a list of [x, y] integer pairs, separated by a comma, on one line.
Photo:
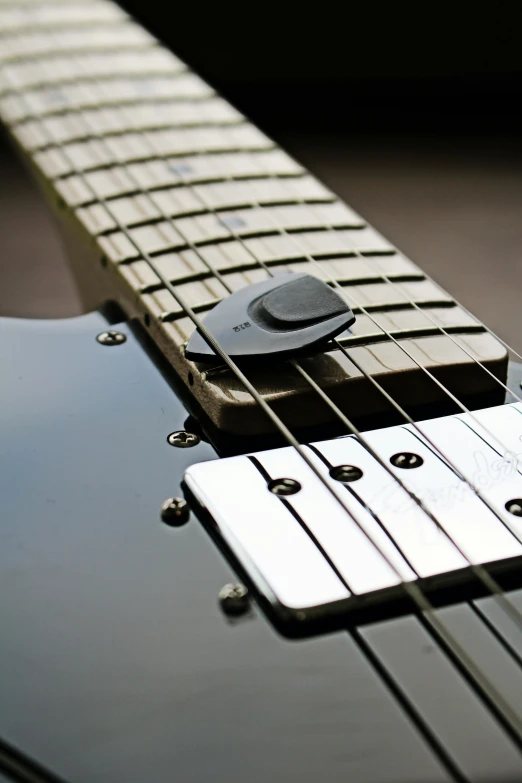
{"points": [[116, 663]]}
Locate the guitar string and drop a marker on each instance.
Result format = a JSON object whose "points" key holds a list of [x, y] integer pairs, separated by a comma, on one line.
{"points": [[478, 571], [485, 689]]}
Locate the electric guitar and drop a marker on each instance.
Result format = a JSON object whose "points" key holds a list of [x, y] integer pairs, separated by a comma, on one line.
{"points": [[261, 507]]}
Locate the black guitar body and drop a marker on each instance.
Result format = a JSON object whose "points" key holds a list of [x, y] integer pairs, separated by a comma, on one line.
{"points": [[117, 662]]}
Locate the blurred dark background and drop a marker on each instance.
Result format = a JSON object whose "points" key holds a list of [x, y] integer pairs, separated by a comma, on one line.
{"points": [[410, 111]]}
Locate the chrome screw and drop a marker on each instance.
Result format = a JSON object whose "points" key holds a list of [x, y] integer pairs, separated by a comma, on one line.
{"points": [[183, 440], [515, 507], [175, 512], [284, 486], [234, 599], [406, 460], [346, 473], [111, 337]]}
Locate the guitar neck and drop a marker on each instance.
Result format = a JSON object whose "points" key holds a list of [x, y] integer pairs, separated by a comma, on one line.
{"points": [[156, 179]]}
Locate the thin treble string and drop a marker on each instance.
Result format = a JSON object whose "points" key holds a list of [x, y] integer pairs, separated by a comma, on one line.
{"points": [[479, 572], [488, 693]]}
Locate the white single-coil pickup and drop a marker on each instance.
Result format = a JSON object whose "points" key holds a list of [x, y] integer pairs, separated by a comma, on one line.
{"points": [[358, 541]]}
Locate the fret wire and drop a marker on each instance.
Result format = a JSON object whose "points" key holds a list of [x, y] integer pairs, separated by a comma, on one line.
{"points": [[145, 42], [116, 103], [65, 23], [111, 103], [158, 125], [70, 80], [486, 691]]}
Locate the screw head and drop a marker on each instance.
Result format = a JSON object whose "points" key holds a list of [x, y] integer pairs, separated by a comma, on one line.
{"points": [[183, 440], [346, 473], [406, 460], [284, 486], [234, 599], [111, 337], [175, 512], [515, 507]]}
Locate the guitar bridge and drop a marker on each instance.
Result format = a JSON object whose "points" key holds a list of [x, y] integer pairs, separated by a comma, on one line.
{"points": [[429, 505]]}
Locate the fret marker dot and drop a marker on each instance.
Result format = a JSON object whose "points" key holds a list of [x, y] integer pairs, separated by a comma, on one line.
{"points": [[232, 222]]}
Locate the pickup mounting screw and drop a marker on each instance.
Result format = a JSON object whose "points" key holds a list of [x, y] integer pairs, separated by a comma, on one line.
{"points": [[346, 473], [183, 440], [515, 507], [406, 460], [175, 512], [284, 486], [111, 337], [234, 599]]}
